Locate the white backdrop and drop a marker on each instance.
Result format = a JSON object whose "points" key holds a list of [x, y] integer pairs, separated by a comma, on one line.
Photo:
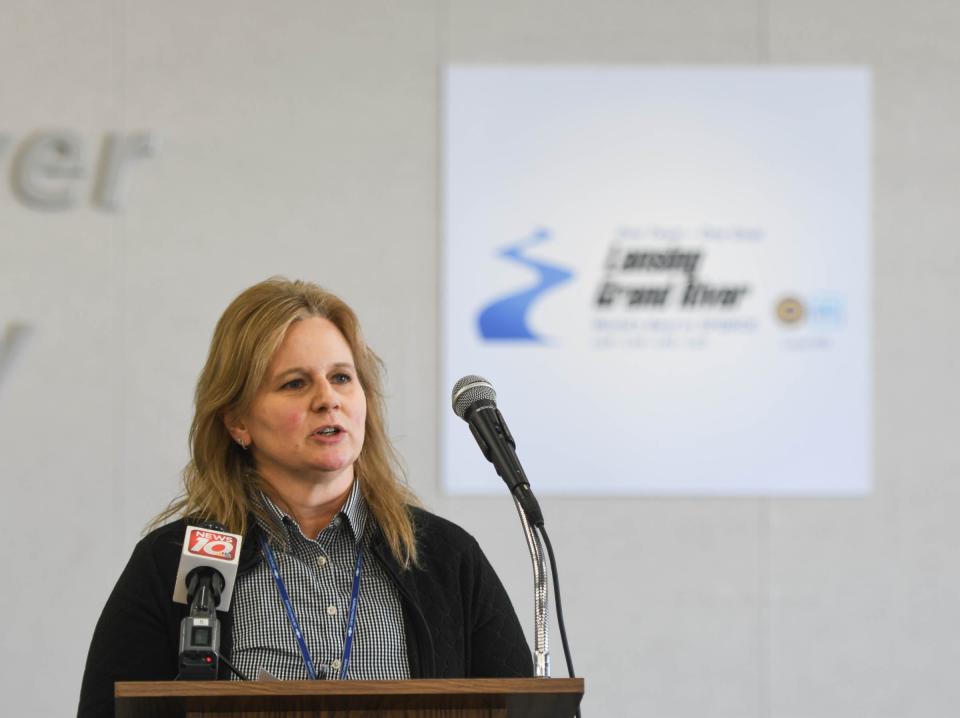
{"points": [[617, 244]]}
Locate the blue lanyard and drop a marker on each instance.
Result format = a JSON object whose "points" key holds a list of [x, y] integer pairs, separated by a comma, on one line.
{"points": [[292, 616]]}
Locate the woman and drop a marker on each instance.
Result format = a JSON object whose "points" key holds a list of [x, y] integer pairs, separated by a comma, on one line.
{"points": [[289, 449]]}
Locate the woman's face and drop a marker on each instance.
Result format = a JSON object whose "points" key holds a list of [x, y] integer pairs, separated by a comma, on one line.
{"points": [[307, 420]]}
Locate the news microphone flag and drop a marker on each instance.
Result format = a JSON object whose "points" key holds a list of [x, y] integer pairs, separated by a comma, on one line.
{"points": [[211, 549]]}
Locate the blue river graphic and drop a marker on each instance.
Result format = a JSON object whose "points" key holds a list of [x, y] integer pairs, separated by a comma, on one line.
{"points": [[506, 318]]}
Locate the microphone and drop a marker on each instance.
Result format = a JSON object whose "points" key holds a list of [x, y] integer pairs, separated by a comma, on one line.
{"points": [[205, 579], [475, 401]]}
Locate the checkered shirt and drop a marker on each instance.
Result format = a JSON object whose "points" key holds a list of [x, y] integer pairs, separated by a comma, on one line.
{"points": [[318, 574]]}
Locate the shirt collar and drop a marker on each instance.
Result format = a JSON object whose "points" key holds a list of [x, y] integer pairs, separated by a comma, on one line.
{"points": [[354, 512]]}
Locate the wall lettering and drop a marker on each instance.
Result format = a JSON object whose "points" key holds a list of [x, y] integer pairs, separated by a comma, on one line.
{"points": [[52, 170], [11, 344]]}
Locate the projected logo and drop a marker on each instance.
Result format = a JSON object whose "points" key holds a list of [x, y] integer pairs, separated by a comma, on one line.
{"points": [[790, 311], [819, 311], [507, 318]]}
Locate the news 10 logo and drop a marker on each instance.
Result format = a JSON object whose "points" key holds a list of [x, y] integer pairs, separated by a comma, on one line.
{"points": [[210, 544]]}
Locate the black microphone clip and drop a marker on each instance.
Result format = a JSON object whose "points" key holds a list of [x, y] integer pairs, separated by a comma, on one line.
{"points": [[200, 630]]}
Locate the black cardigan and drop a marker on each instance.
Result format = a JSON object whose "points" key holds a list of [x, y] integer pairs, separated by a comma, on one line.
{"points": [[458, 618]]}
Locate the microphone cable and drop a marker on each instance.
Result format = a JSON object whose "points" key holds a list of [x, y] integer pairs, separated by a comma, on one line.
{"points": [[236, 671]]}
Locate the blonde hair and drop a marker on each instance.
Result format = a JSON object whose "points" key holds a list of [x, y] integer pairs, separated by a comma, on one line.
{"points": [[220, 482]]}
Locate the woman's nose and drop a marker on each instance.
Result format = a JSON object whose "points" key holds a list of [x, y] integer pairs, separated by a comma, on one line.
{"points": [[325, 397]]}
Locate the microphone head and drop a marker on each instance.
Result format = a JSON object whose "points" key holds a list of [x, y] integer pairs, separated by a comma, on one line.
{"points": [[468, 391]]}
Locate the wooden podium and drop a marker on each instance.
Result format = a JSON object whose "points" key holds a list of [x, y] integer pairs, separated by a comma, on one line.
{"points": [[448, 698]]}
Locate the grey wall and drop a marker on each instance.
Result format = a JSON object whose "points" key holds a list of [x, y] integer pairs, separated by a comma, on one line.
{"points": [[301, 138]]}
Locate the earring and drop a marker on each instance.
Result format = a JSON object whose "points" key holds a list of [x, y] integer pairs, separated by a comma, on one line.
{"points": [[241, 444]]}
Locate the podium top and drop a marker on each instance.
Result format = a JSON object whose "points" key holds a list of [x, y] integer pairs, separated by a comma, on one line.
{"points": [[507, 697]]}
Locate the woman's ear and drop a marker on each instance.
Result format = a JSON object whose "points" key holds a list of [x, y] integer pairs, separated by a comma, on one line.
{"points": [[237, 429]]}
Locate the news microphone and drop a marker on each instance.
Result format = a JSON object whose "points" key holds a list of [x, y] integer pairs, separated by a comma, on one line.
{"points": [[475, 401], [205, 579]]}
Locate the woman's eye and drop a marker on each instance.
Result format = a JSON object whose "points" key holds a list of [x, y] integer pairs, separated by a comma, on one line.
{"points": [[342, 378], [293, 384]]}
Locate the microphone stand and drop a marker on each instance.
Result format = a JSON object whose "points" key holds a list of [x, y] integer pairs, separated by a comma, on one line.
{"points": [[541, 650]]}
